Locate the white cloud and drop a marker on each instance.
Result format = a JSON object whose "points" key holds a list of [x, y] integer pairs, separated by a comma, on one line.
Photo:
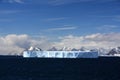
{"points": [[62, 28], [19, 1], [62, 2], [95, 40], [13, 43], [8, 43], [13, 1], [54, 2], [9, 11], [55, 19], [107, 27], [17, 43]]}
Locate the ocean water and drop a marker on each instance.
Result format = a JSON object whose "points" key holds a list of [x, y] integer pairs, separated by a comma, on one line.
{"points": [[18, 68]]}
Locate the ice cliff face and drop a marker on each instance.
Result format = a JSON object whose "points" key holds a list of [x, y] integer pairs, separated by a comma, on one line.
{"points": [[37, 52]]}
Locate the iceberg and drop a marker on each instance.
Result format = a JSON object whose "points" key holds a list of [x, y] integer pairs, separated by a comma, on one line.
{"points": [[32, 52]]}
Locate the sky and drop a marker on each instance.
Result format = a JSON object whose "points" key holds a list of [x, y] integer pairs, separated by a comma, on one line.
{"points": [[59, 23]]}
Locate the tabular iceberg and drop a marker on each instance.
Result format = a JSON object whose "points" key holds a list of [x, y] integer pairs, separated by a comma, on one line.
{"points": [[60, 54]]}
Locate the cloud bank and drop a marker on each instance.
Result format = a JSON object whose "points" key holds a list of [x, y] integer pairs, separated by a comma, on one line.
{"points": [[12, 43], [95, 40]]}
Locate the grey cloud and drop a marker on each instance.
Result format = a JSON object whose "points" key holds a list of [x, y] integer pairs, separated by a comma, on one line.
{"points": [[13, 43], [8, 43]]}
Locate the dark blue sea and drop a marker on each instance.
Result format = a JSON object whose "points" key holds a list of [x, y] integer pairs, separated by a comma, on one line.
{"points": [[19, 68]]}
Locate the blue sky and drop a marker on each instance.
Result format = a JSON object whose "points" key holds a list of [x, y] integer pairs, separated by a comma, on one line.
{"points": [[58, 23], [48, 17]]}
